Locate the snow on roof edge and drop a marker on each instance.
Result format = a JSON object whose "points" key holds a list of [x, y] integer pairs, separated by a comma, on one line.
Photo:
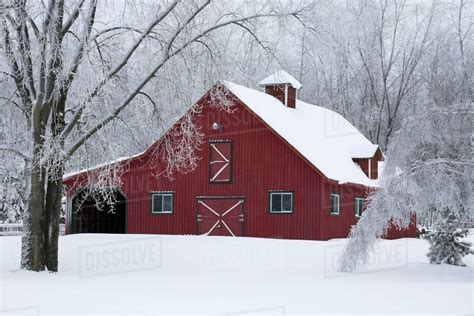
{"points": [[363, 152], [280, 77], [98, 166]]}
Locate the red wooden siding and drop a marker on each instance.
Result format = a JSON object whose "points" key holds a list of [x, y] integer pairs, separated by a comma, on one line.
{"points": [[374, 164], [291, 97], [364, 164], [278, 91], [257, 170], [370, 163], [261, 162]]}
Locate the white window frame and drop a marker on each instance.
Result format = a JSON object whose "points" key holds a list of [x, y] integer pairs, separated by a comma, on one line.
{"points": [[163, 194], [338, 204], [357, 211], [281, 202]]}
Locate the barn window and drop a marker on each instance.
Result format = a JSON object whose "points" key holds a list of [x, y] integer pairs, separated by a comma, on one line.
{"points": [[281, 202], [335, 203], [359, 205], [220, 161], [162, 203]]}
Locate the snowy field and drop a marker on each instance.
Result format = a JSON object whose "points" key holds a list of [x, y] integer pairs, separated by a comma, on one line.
{"points": [[143, 274]]}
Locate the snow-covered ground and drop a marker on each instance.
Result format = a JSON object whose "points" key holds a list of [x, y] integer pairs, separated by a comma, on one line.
{"points": [[143, 274]]}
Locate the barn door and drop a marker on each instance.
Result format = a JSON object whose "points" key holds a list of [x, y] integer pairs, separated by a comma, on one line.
{"points": [[220, 216], [220, 161]]}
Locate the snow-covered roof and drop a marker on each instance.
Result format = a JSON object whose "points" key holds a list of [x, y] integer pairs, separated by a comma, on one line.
{"points": [[323, 137], [101, 165], [280, 77], [363, 151]]}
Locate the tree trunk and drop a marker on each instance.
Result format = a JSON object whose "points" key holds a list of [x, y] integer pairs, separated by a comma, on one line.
{"points": [[54, 190], [33, 230], [52, 214], [32, 257]]}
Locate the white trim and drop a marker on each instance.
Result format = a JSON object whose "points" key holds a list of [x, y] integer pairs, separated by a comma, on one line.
{"points": [[219, 152], [233, 207], [163, 195], [357, 199], [234, 197], [338, 204], [219, 140], [370, 168], [209, 208], [217, 161], [281, 202], [286, 95], [230, 231], [218, 173], [212, 228]]}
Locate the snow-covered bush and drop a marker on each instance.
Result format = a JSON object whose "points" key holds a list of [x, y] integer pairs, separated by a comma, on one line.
{"points": [[446, 245]]}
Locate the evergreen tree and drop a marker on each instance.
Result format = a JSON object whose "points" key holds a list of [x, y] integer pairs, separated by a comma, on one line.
{"points": [[445, 241]]}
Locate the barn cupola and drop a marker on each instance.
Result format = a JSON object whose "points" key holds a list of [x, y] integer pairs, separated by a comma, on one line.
{"points": [[282, 86]]}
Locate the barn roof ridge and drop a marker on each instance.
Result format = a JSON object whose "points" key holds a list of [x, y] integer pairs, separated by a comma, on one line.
{"points": [[309, 128]]}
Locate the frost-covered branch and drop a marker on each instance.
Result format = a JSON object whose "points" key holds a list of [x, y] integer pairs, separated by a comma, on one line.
{"points": [[119, 66], [167, 56], [429, 169]]}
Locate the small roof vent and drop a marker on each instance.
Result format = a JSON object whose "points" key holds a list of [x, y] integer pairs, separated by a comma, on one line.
{"points": [[282, 86]]}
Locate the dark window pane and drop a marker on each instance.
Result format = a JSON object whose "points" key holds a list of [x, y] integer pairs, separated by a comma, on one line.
{"points": [[167, 203], [359, 206], [276, 202], [334, 203], [157, 203], [287, 202]]}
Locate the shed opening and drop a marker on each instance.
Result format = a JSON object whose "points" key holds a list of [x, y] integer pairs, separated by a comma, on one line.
{"points": [[88, 218]]}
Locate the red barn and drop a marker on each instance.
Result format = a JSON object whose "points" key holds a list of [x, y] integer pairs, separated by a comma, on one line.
{"points": [[271, 166]]}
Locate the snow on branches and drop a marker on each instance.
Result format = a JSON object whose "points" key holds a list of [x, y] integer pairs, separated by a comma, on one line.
{"points": [[429, 168], [101, 185], [178, 148]]}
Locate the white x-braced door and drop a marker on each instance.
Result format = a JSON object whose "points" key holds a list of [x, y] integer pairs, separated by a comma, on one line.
{"points": [[220, 216]]}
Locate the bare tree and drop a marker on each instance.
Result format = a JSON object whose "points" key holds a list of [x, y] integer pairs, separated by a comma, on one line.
{"points": [[364, 60], [62, 70], [429, 160]]}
